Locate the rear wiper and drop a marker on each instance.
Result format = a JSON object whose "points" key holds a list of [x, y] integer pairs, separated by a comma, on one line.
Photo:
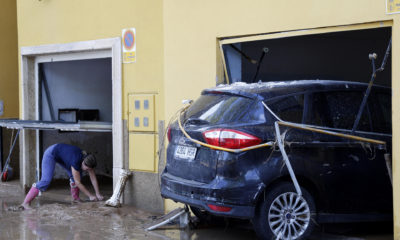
{"points": [[196, 121]]}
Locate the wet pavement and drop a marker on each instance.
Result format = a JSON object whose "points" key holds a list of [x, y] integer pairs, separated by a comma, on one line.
{"points": [[54, 216]]}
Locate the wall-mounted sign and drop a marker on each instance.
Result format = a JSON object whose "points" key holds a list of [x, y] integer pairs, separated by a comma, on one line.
{"points": [[129, 45], [392, 6]]}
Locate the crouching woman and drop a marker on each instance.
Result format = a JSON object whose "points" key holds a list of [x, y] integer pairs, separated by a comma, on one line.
{"points": [[74, 161]]}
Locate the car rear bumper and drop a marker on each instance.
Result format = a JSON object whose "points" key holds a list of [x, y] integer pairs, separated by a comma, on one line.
{"points": [[239, 198]]}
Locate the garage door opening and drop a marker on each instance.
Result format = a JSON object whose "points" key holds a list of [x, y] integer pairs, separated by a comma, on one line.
{"points": [[331, 56], [341, 55], [72, 92]]}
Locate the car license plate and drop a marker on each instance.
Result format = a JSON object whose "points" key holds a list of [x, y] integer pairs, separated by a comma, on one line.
{"points": [[184, 152]]}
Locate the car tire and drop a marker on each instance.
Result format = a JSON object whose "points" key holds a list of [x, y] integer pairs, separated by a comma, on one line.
{"points": [[283, 214], [206, 217]]}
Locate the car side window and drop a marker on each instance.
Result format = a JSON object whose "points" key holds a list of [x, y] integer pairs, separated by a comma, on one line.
{"points": [[289, 108], [381, 112], [338, 109]]}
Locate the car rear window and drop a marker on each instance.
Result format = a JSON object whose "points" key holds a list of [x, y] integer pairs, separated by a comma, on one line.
{"points": [[221, 109]]}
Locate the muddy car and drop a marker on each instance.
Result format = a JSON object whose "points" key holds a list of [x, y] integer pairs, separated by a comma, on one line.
{"points": [[341, 180]]}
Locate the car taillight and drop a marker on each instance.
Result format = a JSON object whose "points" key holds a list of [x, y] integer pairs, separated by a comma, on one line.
{"points": [[219, 208], [229, 138], [169, 136]]}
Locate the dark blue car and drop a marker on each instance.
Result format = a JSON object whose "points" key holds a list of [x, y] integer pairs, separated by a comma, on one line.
{"points": [[341, 180]]}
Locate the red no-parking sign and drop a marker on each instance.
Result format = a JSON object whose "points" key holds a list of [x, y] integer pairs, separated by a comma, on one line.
{"points": [[129, 45]]}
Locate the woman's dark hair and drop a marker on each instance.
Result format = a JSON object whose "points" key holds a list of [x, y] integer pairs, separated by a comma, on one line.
{"points": [[90, 160]]}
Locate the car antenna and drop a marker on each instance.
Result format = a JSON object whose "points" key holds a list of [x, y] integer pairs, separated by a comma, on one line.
{"points": [[265, 50]]}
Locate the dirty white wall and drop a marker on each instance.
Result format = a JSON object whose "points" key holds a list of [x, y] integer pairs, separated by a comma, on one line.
{"points": [[83, 84]]}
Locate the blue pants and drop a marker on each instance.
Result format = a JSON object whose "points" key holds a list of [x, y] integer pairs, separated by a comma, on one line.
{"points": [[48, 164]]}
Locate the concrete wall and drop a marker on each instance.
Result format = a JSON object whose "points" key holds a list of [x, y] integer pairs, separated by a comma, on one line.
{"points": [[8, 58]]}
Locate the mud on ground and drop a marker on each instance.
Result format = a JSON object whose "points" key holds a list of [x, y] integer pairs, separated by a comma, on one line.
{"points": [[54, 216], [55, 219]]}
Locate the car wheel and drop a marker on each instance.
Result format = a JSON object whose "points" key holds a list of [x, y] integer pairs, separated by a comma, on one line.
{"points": [[206, 217], [283, 214]]}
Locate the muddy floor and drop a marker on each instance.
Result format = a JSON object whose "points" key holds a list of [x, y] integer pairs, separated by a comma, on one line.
{"points": [[54, 216]]}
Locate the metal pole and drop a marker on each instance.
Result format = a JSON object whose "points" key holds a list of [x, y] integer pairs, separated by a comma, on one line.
{"points": [[286, 159], [47, 91], [372, 57], [168, 218], [364, 101], [9, 154]]}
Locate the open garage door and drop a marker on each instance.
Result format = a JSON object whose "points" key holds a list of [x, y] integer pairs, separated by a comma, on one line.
{"points": [[73, 105], [70, 93], [333, 53], [336, 53]]}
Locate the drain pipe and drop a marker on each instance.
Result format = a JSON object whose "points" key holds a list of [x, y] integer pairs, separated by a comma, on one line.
{"points": [[114, 201]]}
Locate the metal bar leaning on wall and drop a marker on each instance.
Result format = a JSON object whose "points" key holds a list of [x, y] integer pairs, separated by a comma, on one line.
{"points": [[331, 133], [308, 128], [372, 57], [9, 154], [281, 144]]}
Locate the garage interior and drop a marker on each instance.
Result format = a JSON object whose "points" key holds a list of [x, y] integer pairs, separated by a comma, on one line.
{"points": [[76, 91], [327, 56], [79, 90], [74, 106]]}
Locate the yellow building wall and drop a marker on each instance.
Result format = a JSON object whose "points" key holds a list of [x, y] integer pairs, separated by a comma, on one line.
{"points": [[8, 58], [193, 27], [56, 22], [43, 22]]}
